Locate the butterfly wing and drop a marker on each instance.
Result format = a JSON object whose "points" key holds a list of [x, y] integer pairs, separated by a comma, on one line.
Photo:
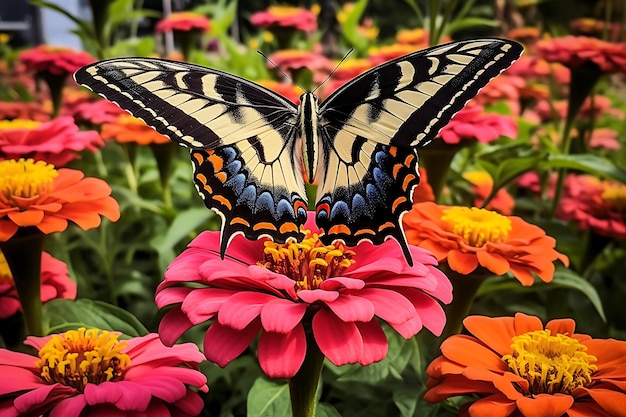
{"points": [[371, 126], [242, 138]]}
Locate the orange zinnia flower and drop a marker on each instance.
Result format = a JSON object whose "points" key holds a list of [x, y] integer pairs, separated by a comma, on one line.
{"points": [[482, 185], [468, 238], [184, 22], [127, 128], [34, 194], [285, 16], [519, 368]]}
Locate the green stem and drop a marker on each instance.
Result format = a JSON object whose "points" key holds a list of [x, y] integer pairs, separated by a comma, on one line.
{"points": [[465, 288], [23, 255], [303, 386], [55, 83], [164, 155], [436, 159]]}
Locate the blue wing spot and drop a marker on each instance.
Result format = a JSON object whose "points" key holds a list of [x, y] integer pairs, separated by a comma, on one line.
{"points": [[340, 208], [248, 196], [265, 201], [233, 167], [236, 183], [373, 195], [359, 206], [229, 154], [283, 206]]}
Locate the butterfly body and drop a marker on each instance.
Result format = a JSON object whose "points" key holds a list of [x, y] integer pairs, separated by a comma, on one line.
{"points": [[253, 150]]}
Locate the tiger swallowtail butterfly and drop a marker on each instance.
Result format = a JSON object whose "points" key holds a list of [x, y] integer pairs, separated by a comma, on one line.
{"points": [[253, 150]]}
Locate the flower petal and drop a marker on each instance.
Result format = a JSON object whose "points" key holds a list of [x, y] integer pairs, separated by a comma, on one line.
{"points": [[339, 341], [281, 316], [545, 405], [222, 344], [282, 354]]}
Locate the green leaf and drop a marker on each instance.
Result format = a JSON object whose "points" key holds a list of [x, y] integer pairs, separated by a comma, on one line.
{"points": [[268, 399], [326, 410], [592, 164], [61, 315], [470, 23], [85, 26]]}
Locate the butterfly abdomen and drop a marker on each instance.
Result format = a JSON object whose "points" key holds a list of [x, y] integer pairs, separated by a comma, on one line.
{"points": [[308, 121]]}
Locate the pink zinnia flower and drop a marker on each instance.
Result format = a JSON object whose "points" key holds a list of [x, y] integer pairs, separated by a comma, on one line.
{"points": [[184, 22], [55, 283], [91, 373], [473, 123], [285, 16], [576, 51], [55, 60], [594, 204], [279, 289], [294, 59], [95, 112], [56, 142], [10, 110]]}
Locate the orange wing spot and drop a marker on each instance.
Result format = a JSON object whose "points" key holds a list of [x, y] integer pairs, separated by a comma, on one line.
{"points": [[288, 227], [397, 202], [298, 205], [223, 200], [222, 176], [396, 170], [409, 159], [198, 157], [218, 163], [264, 225], [339, 229], [407, 180], [385, 226], [239, 220], [201, 178], [364, 232], [208, 189], [323, 207], [393, 151]]}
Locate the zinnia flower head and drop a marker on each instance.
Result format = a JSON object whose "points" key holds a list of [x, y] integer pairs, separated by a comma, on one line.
{"points": [[92, 373], [296, 59], [183, 22], [126, 128], [285, 89], [285, 16], [472, 123], [594, 204], [516, 367], [482, 185], [576, 51], [34, 194], [281, 289], [55, 283], [55, 60], [468, 238], [10, 110], [57, 142]]}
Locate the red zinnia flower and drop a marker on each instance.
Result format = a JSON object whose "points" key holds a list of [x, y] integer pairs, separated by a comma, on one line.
{"points": [[57, 142], [575, 51], [516, 367], [473, 123], [505, 88], [55, 283], [10, 110], [55, 60], [91, 373], [595, 204], [604, 138], [285, 16], [184, 22], [95, 112], [468, 238], [271, 288], [34, 194]]}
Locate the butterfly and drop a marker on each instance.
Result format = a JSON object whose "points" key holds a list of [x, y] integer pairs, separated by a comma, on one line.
{"points": [[253, 150]]}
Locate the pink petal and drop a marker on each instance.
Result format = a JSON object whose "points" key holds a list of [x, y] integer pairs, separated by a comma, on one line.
{"points": [[281, 316], [352, 308], [374, 342], [282, 354], [430, 311], [389, 305], [21, 379], [222, 344], [239, 310], [337, 283], [340, 342], [172, 326], [42, 398], [69, 407], [192, 405], [203, 304], [311, 296], [171, 296], [408, 328]]}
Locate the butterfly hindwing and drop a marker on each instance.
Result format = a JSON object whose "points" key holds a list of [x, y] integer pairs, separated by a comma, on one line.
{"points": [[371, 127], [241, 135]]}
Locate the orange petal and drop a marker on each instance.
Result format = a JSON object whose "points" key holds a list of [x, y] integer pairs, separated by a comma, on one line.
{"points": [[525, 324], [7, 229], [611, 356], [494, 262], [468, 351], [495, 405], [51, 224], [496, 333], [454, 385], [587, 409], [26, 218], [463, 263], [561, 326], [611, 401], [545, 405]]}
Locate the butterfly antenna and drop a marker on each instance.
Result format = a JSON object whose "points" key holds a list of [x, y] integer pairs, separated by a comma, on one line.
{"points": [[333, 71], [281, 71]]}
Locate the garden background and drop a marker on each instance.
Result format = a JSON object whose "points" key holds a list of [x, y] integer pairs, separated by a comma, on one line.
{"points": [[540, 149]]}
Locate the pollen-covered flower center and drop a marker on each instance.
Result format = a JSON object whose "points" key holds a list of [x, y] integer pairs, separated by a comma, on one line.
{"points": [[6, 278], [477, 226], [615, 196], [308, 262], [550, 364], [26, 178], [80, 357], [19, 124]]}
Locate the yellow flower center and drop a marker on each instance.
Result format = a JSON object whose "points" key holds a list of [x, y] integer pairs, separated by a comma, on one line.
{"points": [[26, 178], [19, 124], [308, 262], [5, 272], [283, 11], [615, 195], [477, 226], [81, 357], [550, 364]]}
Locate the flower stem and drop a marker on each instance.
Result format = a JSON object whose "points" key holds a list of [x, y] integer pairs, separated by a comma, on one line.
{"points": [[303, 386], [436, 160], [465, 288], [164, 155], [23, 255]]}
